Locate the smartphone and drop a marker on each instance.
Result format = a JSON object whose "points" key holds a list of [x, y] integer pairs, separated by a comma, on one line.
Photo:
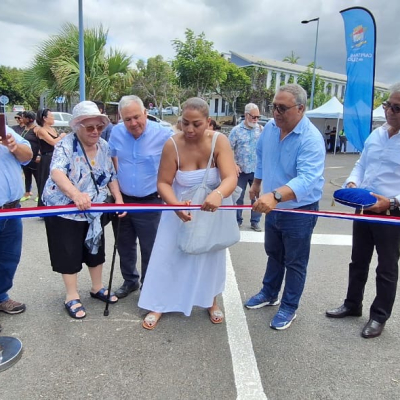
{"points": [[3, 133]]}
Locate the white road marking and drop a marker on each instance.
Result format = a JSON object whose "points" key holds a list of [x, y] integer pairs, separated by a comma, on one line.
{"points": [[247, 377], [330, 240], [245, 369]]}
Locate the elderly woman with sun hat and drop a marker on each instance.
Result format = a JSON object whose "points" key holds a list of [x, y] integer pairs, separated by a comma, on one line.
{"points": [[80, 172]]}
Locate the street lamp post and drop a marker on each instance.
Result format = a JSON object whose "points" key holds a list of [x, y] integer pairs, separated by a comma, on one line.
{"points": [[315, 61]]}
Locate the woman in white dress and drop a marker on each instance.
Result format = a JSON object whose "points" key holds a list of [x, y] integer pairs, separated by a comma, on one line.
{"points": [[176, 281]]}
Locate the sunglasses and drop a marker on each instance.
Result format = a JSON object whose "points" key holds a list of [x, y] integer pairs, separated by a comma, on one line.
{"points": [[92, 128], [281, 109], [253, 117], [394, 107]]}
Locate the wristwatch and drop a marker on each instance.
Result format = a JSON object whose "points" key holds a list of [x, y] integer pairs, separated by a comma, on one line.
{"points": [[277, 196], [393, 204]]}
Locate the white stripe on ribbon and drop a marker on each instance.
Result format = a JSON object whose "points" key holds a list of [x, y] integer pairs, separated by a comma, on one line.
{"points": [[112, 208]]}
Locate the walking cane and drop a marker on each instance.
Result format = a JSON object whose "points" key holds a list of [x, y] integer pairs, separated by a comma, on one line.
{"points": [[106, 311]]}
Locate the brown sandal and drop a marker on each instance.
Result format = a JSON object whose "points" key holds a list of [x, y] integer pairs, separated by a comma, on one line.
{"points": [[150, 321]]}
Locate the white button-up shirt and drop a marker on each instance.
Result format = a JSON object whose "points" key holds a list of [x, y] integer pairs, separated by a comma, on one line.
{"points": [[378, 168]]}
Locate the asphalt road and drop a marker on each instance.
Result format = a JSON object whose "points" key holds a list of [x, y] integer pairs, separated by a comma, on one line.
{"points": [[189, 358]]}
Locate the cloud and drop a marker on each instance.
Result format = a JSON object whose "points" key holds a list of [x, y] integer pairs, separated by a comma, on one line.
{"points": [[269, 29]]}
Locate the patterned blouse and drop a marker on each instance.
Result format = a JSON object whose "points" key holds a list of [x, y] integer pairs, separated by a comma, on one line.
{"points": [[68, 157]]}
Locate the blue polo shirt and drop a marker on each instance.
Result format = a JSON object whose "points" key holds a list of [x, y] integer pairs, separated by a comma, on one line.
{"points": [[11, 184], [138, 159], [296, 161]]}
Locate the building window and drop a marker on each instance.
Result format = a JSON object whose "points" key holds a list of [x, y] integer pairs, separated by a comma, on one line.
{"points": [[336, 89], [223, 106], [216, 106]]}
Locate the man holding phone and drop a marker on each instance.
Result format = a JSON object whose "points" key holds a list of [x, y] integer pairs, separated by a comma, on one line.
{"points": [[14, 152]]}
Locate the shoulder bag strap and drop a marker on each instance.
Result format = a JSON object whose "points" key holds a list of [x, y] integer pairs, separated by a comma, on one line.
{"points": [[88, 163], [214, 140]]}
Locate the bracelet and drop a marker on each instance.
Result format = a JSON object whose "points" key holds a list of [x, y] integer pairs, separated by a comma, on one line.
{"points": [[392, 204], [222, 196]]}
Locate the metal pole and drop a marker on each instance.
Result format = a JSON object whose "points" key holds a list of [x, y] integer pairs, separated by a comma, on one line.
{"points": [[315, 61], [82, 93], [315, 65]]}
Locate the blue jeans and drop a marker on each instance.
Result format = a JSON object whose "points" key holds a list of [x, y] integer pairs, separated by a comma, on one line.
{"points": [[243, 180], [287, 244], [10, 253]]}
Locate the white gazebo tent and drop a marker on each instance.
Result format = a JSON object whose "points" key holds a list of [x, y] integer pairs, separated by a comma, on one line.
{"points": [[378, 115], [329, 113]]}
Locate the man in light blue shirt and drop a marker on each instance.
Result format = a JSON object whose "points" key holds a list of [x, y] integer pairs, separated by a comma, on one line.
{"points": [[14, 152], [136, 145], [290, 166], [243, 139]]}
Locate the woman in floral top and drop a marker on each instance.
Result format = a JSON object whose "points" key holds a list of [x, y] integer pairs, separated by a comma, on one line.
{"points": [[79, 160]]}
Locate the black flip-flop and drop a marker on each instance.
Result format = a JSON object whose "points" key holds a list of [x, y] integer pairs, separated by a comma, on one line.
{"points": [[101, 295], [73, 311]]}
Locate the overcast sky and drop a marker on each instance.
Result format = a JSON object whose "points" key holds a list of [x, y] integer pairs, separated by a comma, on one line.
{"points": [[267, 28]]}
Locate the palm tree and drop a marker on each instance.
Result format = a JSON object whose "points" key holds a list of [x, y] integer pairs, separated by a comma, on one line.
{"points": [[55, 68], [292, 59]]}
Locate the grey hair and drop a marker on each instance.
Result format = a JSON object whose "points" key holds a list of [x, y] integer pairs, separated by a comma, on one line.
{"points": [[127, 100], [249, 107], [198, 104], [395, 88], [297, 91]]}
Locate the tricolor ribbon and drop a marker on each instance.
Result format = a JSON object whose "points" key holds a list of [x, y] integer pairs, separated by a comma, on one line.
{"points": [[31, 212]]}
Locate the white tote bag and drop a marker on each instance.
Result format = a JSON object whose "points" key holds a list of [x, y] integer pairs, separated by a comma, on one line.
{"points": [[208, 231]]}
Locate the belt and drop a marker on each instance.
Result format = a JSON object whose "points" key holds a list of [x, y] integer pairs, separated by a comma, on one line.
{"points": [[12, 204], [47, 153], [138, 199]]}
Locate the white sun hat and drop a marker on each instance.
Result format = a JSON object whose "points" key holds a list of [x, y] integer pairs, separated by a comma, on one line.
{"points": [[84, 110]]}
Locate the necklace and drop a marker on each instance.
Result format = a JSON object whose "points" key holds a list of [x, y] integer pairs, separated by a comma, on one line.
{"points": [[92, 163]]}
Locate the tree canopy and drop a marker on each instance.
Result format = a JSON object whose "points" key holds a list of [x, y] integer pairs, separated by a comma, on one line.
{"points": [[197, 65], [55, 68]]}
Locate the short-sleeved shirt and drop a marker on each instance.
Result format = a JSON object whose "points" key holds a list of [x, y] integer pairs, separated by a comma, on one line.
{"points": [[296, 161], [138, 159], [243, 141], [68, 157], [11, 184]]}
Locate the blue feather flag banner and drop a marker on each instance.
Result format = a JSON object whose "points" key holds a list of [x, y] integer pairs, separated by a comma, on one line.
{"points": [[360, 34]]}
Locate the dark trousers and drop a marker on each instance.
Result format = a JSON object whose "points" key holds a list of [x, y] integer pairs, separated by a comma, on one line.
{"points": [[44, 171], [10, 253], [136, 226], [28, 173], [245, 179], [287, 244], [386, 239]]}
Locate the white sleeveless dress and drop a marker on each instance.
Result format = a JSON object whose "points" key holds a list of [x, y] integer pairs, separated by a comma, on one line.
{"points": [[176, 281]]}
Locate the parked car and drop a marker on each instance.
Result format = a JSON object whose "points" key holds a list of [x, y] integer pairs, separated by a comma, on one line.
{"points": [[170, 110], [153, 111], [160, 121], [18, 108], [61, 118], [262, 121]]}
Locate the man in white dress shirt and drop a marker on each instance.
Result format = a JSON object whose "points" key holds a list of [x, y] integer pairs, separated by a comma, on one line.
{"points": [[377, 170]]}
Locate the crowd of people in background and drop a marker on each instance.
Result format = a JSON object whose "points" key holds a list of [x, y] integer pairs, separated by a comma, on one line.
{"points": [[140, 161]]}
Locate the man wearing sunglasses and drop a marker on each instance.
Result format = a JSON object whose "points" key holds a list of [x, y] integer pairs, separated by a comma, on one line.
{"points": [[243, 139], [378, 171], [289, 174]]}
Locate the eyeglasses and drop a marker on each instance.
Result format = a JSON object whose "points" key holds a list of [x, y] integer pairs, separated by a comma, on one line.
{"points": [[91, 128], [394, 107], [17, 118], [281, 109], [253, 117]]}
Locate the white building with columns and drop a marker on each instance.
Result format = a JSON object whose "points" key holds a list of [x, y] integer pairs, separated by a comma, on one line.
{"points": [[280, 72]]}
